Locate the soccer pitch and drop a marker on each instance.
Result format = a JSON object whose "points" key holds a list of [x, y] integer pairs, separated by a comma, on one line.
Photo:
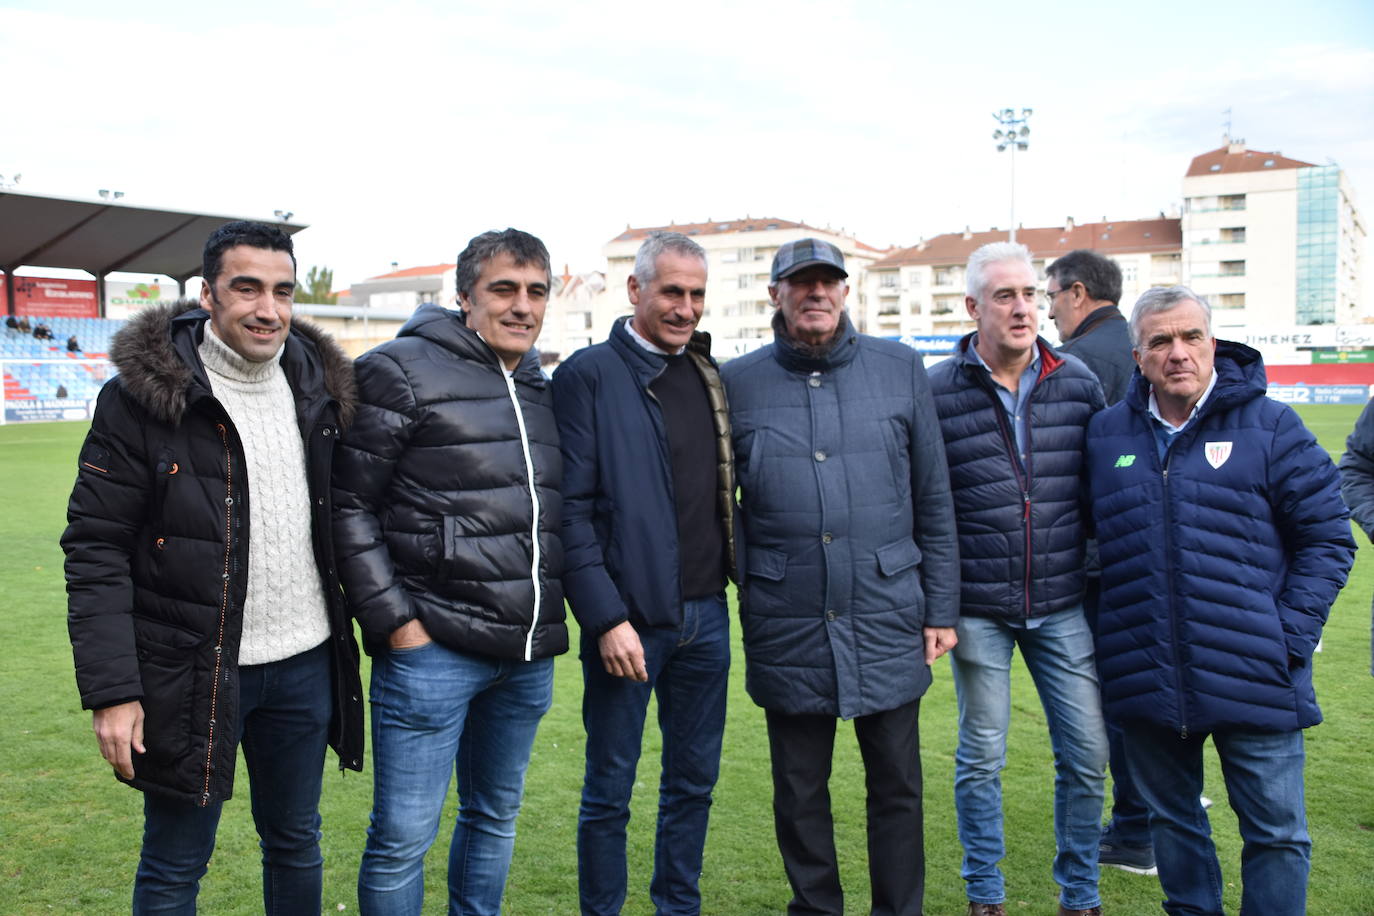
{"points": [[69, 833]]}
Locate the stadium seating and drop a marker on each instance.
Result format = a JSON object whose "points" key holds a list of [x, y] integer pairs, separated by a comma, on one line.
{"points": [[81, 374]]}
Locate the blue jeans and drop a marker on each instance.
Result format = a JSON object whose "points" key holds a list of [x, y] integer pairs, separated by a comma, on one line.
{"points": [[1264, 783], [283, 728], [433, 710], [688, 672], [1059, 654]]}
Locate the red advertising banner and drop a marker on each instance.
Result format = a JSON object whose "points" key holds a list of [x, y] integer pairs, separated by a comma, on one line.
{"points": [[55, 298], [4, 297]]}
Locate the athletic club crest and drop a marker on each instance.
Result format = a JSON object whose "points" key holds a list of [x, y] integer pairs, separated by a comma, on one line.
{"points": [[1217, 453]]}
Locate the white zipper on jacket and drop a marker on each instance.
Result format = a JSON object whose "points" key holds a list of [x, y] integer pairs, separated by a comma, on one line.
{"points": [[534, 518]]}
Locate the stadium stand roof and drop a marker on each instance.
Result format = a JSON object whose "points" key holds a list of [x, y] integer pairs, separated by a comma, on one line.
{"points": [[102, 236]]}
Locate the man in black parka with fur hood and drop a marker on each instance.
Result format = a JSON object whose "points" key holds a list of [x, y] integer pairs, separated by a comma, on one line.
{"points": [[216, 437]]}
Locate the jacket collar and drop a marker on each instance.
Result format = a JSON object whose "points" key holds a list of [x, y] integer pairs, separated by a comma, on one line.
{"points": [[646, 365], [449, 329], [1094, 318], [157, 356], [795, 356], [1050, 359]]}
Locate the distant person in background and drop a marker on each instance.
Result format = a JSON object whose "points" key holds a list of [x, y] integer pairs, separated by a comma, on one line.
{"points": [[72, 345], [61, 391], [12, 322], [187, 642], [42, 332], [1083, 289], [24, 324], [1357, 479]]}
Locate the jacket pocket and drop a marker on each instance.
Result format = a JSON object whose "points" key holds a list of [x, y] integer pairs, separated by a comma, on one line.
{"points": [[767, 564], [899, 556], [167, 667]]}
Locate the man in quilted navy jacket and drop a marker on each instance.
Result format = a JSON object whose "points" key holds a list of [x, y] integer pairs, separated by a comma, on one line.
{"points": [[1223, 541], [1014, 414]]}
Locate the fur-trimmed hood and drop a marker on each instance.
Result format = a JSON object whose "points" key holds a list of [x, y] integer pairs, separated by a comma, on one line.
{"points": [[155, 354]]}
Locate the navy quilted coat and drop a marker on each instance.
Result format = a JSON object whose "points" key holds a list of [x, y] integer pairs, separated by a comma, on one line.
{"points": [[1021, 535], [1219, 563], [848, 525]]}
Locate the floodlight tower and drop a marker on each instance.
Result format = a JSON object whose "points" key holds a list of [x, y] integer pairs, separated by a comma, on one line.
{"points": [[1012, 135]]}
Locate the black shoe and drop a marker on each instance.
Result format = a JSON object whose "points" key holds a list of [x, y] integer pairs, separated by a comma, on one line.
{"points": [[1138, 860]]}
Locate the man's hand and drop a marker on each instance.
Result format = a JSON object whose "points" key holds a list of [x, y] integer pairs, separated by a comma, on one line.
{"points": [[120, 729], [409, 635], [622, 653], [939, 640]]}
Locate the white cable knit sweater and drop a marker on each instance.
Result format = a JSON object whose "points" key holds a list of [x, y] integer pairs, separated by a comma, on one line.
{"points": [[284, 612]]}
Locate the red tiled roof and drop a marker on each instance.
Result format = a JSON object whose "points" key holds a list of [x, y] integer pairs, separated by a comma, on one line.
{"points": [[1223, 161], [718, 227], [1107, 237], [433, 270]]}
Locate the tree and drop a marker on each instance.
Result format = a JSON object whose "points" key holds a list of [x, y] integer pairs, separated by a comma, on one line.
{"points": [[316, 287]]}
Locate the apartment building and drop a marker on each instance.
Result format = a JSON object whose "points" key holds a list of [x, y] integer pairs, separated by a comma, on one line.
{"points": [[1272, 241], [919, 291], [739, 254]]}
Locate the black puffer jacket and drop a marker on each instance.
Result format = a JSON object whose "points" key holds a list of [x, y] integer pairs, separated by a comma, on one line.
{"points": [[1021, 529], [157, 548], [440, 489]]}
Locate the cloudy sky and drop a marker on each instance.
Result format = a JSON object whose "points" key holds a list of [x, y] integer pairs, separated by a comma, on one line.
{"points": [[400, 130]]}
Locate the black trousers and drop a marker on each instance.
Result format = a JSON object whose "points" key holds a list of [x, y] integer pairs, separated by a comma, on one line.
{"points": [[802, 748]]}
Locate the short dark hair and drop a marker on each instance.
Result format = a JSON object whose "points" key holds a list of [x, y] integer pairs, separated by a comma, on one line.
{"points": [[521, 246], [242, 232], [1100, 275]]}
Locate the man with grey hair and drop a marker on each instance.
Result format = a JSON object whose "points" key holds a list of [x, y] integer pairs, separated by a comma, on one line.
{"points": [[850, 590], [1014, 413], [649, 535], [1224, 542]]}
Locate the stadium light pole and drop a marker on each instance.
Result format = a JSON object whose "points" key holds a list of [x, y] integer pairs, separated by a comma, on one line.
{"points": [[1012, 135]]}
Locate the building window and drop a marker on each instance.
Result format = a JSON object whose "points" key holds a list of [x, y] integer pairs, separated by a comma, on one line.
{"points": [[745, 281], [746, 254], [1128, 273], [1233, 268], [946, 276], [1231, 301], [915, 278], [887, 281], [1319, 231], [1231, 202], [1234, 235]]}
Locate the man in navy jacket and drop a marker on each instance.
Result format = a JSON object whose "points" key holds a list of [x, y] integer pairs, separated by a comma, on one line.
{"points": [[1014, 414], [852, 582], [649, 536], [1224, 542]]}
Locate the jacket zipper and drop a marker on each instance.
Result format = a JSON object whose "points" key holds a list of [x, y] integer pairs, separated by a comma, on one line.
{"points": [[534, 516], [1169, 571], [223, 607], [1022, 481]]}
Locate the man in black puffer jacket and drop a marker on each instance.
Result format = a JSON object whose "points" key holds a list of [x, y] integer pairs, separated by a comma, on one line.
{"points": [[188, 643], [1014, 414], [447, 519]]}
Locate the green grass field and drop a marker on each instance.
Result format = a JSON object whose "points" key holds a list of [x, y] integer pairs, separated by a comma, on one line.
{"points": [[69, 834]]}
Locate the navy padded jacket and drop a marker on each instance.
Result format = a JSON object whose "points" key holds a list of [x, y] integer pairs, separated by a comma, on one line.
{"points": [[1219, 563], [1021, 530]]}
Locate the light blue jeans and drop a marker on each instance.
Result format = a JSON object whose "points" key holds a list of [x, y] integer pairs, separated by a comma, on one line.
{"points": [[1264, 784], [1059, 654], [434, 710]]}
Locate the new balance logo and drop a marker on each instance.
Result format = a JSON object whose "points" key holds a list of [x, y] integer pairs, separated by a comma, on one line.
{"points": [[1125, 461]]}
